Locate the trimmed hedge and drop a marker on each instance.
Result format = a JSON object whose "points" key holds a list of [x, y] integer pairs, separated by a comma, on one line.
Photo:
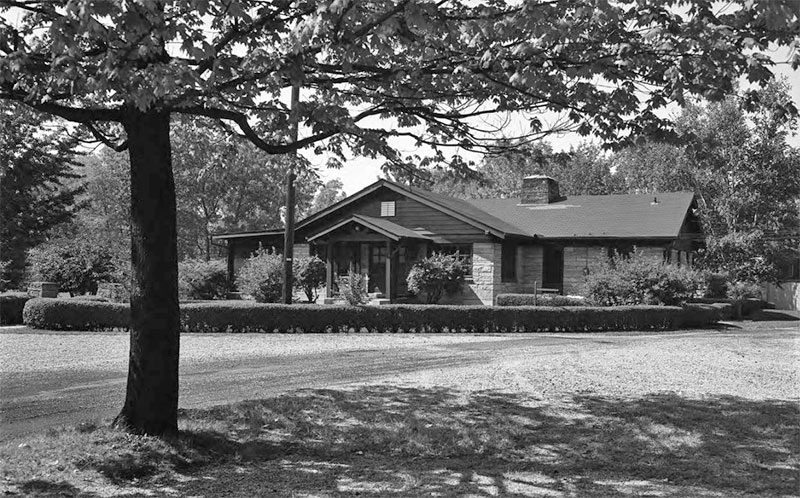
{"points": [[11, 306], [235, 317], [538, 300], [75, 314]]}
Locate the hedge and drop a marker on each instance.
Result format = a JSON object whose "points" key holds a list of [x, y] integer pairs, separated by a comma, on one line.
{"points": [[538, 300], [243, 316], [11, 306], [75, 314]]}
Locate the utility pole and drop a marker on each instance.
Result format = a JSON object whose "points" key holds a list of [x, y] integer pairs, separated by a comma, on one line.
{"points": [[288, 238]]}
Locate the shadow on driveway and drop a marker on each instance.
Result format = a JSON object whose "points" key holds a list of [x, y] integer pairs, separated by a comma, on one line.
{"points": [[389, 441]]}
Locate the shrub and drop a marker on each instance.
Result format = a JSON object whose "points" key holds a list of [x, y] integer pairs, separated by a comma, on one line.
{"points": [[89, 297], [309, 276], [435, 276], [739, 291], [715, 285], [247, 316], [353, 288], [262, 277], [539, 300], [200, 279], [11, 306], [640, 280], [75, 314], [76, 265]]}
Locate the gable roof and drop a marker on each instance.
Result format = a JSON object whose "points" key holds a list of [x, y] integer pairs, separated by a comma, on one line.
{"points": [[379, 225], [596, 216], [457, 208]]}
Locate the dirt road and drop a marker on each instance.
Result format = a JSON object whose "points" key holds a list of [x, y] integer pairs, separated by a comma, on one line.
{"points": [[50, 379]]}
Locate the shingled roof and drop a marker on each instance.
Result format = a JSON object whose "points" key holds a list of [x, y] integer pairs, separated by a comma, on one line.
{"points": [[629, 216], [658, 215]]}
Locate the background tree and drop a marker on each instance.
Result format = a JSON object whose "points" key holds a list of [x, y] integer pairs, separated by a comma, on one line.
{"points": [[328, 194], [736, 158], [37, 184], [427, 69], [584, 170], [224, 183]]}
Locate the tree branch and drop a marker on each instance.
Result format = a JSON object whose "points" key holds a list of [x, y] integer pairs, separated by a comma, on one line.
{"points": [[116, 147]]}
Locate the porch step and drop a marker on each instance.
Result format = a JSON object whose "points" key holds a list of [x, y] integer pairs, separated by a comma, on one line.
{"points": [[379, 301], [375, 295]]}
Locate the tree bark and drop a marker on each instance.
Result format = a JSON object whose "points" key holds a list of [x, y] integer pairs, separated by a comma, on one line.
{"points": [[151, 398]]}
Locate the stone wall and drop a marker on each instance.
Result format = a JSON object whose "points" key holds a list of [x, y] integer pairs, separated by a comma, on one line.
{"points": [[482, 287]]}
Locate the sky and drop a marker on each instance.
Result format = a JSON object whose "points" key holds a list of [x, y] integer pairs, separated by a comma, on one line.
{"points": [[358, 173]]}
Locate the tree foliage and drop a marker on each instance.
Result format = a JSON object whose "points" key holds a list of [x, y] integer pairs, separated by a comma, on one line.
{"points": [[77, 265], [328, 194], [429, 71], [584, 170], [737, 160], [224, 183], [37, 184]]}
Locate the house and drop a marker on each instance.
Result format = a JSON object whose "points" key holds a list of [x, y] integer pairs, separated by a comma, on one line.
{"points": [[541, 240]]}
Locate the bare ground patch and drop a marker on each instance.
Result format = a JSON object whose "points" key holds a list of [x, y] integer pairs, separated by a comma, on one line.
{"points": [[395, 441]]}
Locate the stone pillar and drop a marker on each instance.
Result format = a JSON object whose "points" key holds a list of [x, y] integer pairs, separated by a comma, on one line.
{"points": [[486, 258], [43, 289]]}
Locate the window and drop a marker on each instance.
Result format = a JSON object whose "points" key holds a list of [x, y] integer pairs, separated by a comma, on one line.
{"points": [[508, 262], [387, 209], [464, 252]]}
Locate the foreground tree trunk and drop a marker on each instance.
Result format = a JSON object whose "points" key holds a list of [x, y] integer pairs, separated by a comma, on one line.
{"points": [[151, 398]]}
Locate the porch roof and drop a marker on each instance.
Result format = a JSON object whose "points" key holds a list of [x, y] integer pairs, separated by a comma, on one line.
{"points": [[379, 225]]}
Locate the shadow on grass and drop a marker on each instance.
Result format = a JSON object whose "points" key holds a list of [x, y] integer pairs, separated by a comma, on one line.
{"points": [[773, 316], [392, 441]]}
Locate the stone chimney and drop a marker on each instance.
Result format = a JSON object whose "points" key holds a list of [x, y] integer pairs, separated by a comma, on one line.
{"points": [[539, 189]]}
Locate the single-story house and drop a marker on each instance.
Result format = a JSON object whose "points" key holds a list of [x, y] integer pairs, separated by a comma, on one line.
{"points": [[539, 240]]}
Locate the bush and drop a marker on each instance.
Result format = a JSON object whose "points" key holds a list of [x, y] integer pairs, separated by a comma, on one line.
{"points": [[200, 279], [309, 276], [640, 280], [435, 276], [244, 316], [539, 300], [76, 265], [11, 306], [262, 277], [715, 285], [353, 288], [75, 314], [739, 291]]}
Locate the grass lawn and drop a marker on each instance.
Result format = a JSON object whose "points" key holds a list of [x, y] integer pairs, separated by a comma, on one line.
{"points": [[384, 440]]}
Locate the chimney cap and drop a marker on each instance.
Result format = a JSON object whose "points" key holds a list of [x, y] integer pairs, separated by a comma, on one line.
{"points": [[539, 177]]}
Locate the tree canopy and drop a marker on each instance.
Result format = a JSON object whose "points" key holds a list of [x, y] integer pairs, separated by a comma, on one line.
{"points": [[427, 66]]}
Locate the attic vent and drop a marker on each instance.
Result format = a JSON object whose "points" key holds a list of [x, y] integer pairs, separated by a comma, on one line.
{"points": [[387, 209]]}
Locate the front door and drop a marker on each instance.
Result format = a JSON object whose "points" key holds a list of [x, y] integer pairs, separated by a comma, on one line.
{"points": [[378, 252], [553, 275]]}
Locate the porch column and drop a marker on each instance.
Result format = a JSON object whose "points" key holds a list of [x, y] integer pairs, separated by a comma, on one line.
{"points": [[389, 268], [231, 258], [329, 269]]}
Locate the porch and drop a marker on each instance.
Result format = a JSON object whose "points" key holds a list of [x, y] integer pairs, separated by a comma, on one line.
{"points": [[379, 249]]}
